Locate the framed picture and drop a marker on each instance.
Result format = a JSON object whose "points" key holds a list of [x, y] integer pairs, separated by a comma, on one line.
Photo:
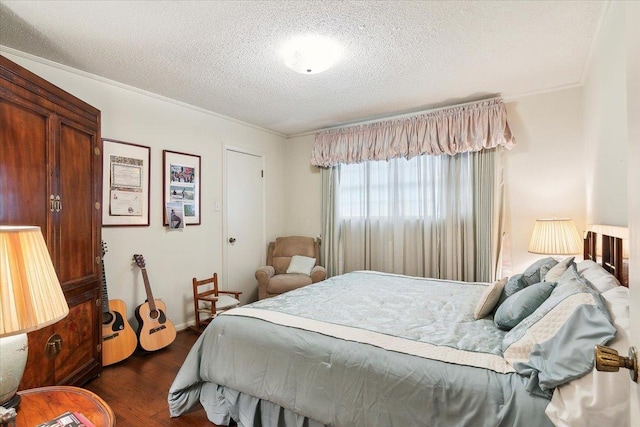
{"points": [[181, 172], [125, 184]]}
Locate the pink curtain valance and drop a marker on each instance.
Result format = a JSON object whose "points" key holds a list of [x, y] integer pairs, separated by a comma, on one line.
{"points": [[449, 131]]}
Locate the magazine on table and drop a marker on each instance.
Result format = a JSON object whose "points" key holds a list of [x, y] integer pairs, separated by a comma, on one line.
{"points": [[68, 419]]}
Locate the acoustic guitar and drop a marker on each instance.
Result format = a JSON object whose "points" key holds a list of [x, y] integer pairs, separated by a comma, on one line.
{"points": [[119, 341], [155, 330]]}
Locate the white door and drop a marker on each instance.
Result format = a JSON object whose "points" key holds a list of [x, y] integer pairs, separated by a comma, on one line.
{"points": [[244, 218]]}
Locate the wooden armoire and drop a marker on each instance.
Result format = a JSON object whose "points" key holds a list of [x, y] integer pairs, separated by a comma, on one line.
{"points": [[51, 176]]}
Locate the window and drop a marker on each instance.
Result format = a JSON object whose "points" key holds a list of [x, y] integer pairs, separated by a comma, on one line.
{"points": [[429, 216], [401, 188]]}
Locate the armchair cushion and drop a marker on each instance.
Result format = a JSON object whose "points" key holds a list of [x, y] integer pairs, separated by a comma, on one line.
{"points": [[281, 283]]}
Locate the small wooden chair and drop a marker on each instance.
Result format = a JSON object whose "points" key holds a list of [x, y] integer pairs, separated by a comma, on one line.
{"points": [[211, 302]]}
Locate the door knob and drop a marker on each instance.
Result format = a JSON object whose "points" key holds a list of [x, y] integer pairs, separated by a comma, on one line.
{"points": [[232, 239], [607, 360]]}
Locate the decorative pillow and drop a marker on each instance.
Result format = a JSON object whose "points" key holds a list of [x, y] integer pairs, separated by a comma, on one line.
{"points": [[516, 283], [301, 264], [557, 270], [598, 397], [522, 304], [544, 270], [554, 344], [532, 273], [597, 276], [489, 298], [530, 276]]}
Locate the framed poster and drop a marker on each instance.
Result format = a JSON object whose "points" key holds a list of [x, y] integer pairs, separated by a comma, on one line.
{"points": [[181, 184], [125, 184]]}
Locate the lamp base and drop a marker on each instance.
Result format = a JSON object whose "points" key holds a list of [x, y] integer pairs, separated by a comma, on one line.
{"points": [[13, 402], [13, 359]]}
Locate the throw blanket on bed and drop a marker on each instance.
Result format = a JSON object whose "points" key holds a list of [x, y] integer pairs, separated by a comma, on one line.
{"points": [[438, 312], [424, 317], [362, 349]]}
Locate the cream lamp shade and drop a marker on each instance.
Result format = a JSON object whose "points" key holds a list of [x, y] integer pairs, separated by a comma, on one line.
{"points": [[31, 296], [555, 236]]}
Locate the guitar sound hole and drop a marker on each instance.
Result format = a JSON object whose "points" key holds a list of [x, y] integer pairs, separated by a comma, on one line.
{"points": [[107, 318], [158, 315]]}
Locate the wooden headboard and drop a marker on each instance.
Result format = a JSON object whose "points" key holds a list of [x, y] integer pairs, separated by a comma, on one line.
{"points": [[611, 257]]}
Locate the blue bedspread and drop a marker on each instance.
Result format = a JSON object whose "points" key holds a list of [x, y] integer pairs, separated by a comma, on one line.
{"points": [[439, 312], [362, 349]]}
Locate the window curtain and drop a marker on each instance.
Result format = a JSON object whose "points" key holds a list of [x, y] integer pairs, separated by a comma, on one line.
{"points": [[431, 216], [421, 196]]}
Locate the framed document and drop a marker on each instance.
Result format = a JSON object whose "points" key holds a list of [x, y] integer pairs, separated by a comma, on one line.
{"points": [[125, 184], [181, 185]]}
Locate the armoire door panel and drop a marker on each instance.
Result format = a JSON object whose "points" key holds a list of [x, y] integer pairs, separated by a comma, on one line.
{"points": [[24, 188], [77, 330], [77, 219]]}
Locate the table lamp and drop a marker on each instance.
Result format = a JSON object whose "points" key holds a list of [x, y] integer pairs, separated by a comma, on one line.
{"points": [[30, 298], [555, 237]]}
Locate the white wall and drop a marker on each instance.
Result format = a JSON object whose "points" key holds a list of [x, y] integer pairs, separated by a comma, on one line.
{"points": [[172, 258], [304, 189], [544, 172], [605, 123]]}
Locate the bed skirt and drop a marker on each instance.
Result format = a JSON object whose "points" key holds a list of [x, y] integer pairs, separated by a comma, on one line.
{"points": [[223, 404]]}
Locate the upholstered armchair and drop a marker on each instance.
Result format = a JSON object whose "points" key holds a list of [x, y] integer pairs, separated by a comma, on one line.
{"points": [[273, 278]]}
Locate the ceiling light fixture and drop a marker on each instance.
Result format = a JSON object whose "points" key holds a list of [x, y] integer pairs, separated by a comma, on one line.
{"points": [[310, 54]]}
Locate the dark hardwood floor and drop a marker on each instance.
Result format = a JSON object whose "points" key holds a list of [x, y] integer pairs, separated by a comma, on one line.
{"points": [[137, 388]]}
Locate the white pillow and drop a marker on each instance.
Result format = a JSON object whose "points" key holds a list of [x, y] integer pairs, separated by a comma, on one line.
{"points": [[489, 298], [597, 276], [599, 397], [558, 270], [301, 264]]}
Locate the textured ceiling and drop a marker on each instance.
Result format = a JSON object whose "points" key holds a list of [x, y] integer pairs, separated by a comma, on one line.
{"points": [[399, 56]]}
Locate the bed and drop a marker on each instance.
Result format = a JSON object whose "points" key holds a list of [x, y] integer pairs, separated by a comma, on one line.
{"points": [[375, 349]]}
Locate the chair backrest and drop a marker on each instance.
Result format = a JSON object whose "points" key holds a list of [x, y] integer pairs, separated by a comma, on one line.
{"points": [[280, 252], [210, 291]]}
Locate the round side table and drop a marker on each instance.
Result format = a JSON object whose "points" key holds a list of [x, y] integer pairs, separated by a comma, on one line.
{"points": [[45, 403]]}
